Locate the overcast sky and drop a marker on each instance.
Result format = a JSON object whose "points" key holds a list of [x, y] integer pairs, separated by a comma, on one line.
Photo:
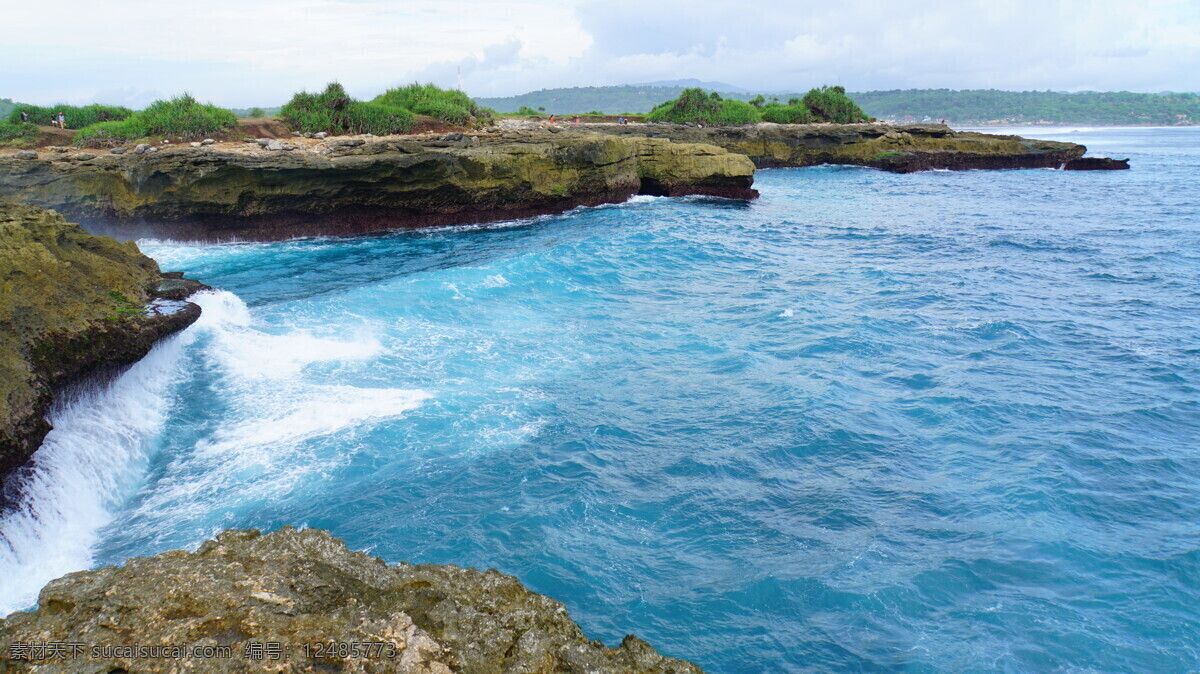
{"points": [[241, 53]]}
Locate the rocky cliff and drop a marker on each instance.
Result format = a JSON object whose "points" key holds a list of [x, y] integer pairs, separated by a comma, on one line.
{"points": [[299, 601], [358, 185], [70, 303], [901, 149]]}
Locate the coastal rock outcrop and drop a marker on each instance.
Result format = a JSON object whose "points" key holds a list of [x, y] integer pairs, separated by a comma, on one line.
{"points": [[360, 185], [71, 303], [897, 148], [300, 601]]}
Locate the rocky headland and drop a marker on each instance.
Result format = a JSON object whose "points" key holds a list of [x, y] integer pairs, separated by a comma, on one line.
{"points": [[896, 148], [266, 189], [300, 601], [71, 304], [355, 185]]}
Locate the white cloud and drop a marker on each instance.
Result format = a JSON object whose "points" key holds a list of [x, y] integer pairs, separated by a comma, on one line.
{"points": [[243, 52]]}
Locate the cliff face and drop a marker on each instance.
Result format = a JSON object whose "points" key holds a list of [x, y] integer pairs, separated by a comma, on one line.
{"points": [[901, 149], [356, 185], [70, 303], [300, 601]]}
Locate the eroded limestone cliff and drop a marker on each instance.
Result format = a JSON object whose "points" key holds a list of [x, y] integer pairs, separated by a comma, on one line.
{"points": [[299, 601], [901, 149], [70, 303], [357, 185]]}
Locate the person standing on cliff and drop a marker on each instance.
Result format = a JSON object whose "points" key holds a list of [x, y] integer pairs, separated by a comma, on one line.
{"points": [[62, 120], [24, 116], [576, 122]]}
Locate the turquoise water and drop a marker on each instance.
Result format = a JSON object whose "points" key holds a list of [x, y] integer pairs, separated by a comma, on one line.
{"points": [[932, 422]]}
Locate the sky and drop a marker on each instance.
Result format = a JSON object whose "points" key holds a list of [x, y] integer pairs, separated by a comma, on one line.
{"points": [[242, 53]]}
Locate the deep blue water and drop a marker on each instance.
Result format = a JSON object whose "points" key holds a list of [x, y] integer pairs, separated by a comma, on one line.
{"points": [[930, 422]]}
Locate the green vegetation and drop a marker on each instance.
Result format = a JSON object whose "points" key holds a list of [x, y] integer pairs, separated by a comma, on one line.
{"points": [[6, 107], [18, 135], [77, 117], [181, 117], [527, 111], [334, 111], [447, 105], [697, 107], [831, 104], [990, 105], [694, 106], [393, 111]]}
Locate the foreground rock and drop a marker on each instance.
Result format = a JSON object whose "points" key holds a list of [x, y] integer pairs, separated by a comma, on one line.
{"points": [[300, 601], [900, 149], [70, 304], [356, 185]]}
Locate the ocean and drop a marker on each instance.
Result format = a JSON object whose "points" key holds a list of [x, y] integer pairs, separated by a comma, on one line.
{"points": [[929, 422]]}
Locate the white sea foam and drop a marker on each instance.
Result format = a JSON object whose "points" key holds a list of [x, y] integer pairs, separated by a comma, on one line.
{"points": [[91, 461], [95, 458]]}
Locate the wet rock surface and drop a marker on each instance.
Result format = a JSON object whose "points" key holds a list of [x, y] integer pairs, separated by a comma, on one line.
{"points": [[300, 601], [70, 304], [1096, 164]]}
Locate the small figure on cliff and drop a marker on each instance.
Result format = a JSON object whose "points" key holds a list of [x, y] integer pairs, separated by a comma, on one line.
{"points": [[24, 116], [62, 120], [551, 119], [576, 122], [620, 120]]}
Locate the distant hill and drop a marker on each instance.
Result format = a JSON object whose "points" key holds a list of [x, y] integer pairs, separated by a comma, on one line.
{"points": [[693, 82], [976, 106], [7, 105], [628, 98], [983, 106]]}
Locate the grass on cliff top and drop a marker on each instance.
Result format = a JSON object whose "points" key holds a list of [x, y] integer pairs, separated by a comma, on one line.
{"points": [[447, 105], [77, 117], [180, 117], [695, 106], [18, 134], [334, 111]]}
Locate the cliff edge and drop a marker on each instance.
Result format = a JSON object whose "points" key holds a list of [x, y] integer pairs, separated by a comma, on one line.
{"points": [[70, 304], [356, 185], [300, 601]]}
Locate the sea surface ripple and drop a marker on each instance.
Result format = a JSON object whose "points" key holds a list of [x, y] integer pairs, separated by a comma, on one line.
{"points": [[931, 422]]}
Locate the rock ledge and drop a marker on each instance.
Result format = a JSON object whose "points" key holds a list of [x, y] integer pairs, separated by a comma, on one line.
{"points": [[301, 601]]}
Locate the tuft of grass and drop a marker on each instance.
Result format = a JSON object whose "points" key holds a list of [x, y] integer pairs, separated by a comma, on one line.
{"points": [[77, 117], [180, 117], [448, 105], [18, 134], [334, 111], [795, 112]]}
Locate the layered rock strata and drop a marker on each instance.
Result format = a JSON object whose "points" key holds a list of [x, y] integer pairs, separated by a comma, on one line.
{"points": [[299, 601], [897, 148], [70, 304], [361, 185]]}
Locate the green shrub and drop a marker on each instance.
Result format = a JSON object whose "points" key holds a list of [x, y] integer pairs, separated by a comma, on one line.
{"points": [[77, 116], [334, 111], [429, 100], [831, 104], [18, 134], [185, 117], [527, 111], [696, 107], [180, 117], [111, 134], [794, 112]]}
